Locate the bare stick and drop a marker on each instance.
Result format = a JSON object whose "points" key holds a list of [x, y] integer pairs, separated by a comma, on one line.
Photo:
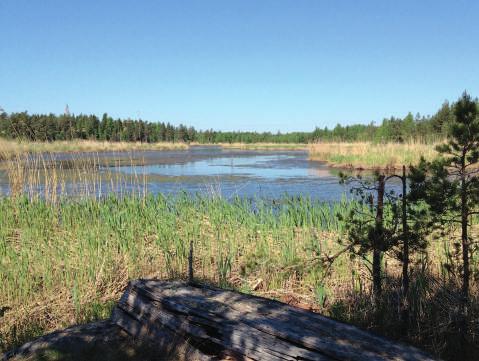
{"points": [[190, 264]]}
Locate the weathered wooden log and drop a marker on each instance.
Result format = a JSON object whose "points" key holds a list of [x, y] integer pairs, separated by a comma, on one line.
{"points": [[219, 323]]}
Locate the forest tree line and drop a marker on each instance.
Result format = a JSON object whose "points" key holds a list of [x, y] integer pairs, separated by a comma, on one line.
{"points": [[52, 127]]}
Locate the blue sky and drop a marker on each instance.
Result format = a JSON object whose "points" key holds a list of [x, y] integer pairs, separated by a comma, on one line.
{"points": [[238, 64]]}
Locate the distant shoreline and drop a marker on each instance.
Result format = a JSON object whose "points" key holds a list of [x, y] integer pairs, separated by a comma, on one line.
{"points": [[12, 148], [264, 146], [344, 155]]}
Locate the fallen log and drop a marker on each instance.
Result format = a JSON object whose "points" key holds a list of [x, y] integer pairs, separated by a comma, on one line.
{"points": [[225, 324]]}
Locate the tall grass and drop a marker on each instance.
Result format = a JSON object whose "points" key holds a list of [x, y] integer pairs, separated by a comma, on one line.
{"points": [[12, 148], [65, 259], [61, 260], [46, 176], [265, 146], [366, 155]]}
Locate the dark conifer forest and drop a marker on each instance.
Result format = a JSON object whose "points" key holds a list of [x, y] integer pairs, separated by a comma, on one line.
{"points": [[52, 127]]}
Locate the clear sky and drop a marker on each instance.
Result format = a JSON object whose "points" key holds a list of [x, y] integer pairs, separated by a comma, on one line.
{"points": [[238, 64]]}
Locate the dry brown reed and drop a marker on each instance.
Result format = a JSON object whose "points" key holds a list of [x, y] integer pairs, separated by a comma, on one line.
{"points": [[45, 176], [265, 146], [11, 148], [367, 155]]}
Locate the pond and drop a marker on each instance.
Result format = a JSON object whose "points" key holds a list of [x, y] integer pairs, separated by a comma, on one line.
{"points": [[207, 170]]}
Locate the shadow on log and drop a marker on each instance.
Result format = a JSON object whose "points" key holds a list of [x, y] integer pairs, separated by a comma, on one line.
{"points": [[220, 324]]}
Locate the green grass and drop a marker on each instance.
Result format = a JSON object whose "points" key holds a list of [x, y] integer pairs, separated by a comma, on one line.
{"points": [[67, 262]]}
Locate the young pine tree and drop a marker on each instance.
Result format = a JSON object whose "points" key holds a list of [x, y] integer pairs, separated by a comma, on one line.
{"points": [[458, 171], [450, 185], [385, 222]]}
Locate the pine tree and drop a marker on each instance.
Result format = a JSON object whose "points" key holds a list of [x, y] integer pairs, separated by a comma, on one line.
{"points": [[450, 186]]}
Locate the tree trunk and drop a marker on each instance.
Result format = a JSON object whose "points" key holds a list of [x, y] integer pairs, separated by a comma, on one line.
{"points": [[405, 261], [378, 240], [464, 237], [465, 258]]}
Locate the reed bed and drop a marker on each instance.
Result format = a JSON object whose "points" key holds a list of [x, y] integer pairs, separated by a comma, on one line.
{"points": [[265, 146], [66, 262], [50, 178], [367, 155], [66, 256], [11, 148]]}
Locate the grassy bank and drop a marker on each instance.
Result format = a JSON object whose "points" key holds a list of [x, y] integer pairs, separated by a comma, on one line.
{"points": [[364, 155], [67, 262], [10, 148]]}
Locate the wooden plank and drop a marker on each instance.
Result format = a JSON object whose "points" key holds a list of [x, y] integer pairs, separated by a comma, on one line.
{"points": [[277, 325], [160, 335], [210, 329], [226, 322]]}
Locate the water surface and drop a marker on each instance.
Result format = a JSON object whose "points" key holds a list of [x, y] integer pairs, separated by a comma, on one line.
{"points": [[209, 171]]}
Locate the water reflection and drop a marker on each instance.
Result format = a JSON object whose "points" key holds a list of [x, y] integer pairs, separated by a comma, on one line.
{"points": [[270, 167], [205, 170]]}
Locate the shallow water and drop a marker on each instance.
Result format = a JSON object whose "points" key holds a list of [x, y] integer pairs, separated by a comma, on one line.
{"points": [[212, 171]]}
